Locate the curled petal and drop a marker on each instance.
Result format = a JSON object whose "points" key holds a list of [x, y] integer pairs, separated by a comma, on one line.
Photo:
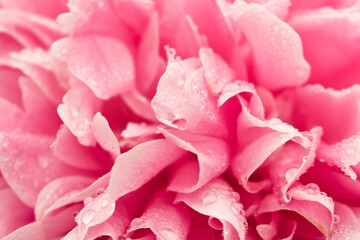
{"points": [[164, 219], [276, 46], [105, 136], [108, 69], [217, 200], [309, 202], [132, 169], [212, 156], [77, 112], [57, 189], [28, 164], [68, 149], [14, 213], [53, 227]]}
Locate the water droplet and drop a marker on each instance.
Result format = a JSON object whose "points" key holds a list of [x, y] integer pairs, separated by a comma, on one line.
{"points": [[43, 161], [336, 219], [88, 200], [313, 186], [87, 216], [167, 233], [291, 173], [208, 197]]}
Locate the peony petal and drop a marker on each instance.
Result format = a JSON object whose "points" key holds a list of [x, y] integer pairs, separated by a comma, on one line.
{"points": [[37, 106], [114, 227], [184, 101], [163, 218], [217, 72], [282, 55], [217, 200], [271, 135], [105, 136], [28, 165], [125, 175], [9, 86], [186, 39], [108, 69], [148, 59], [77, 112], [341, 68], [49, 228], [42, 78], [33, 29], [325, 113], [14, 213], [38, 7], [343, 154], [59, 188], [11, 115], [348, 225], [69, 150], [213, 157], [97, 210], [140, 105], [309, 202], [94, 189]]}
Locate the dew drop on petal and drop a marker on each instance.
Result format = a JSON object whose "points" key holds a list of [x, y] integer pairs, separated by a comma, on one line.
{"points": [[88, 200], [87, 216], [208, 197]]}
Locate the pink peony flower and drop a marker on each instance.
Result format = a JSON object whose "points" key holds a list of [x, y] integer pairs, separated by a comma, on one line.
{"points": [[179, 119]]}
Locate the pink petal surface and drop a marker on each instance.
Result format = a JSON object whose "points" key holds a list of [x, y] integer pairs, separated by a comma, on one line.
{"points": [[95, 211], [67, 148], [14, 213], [212, 160], [49, 228], [44, 8], [217, 72], [36, 105], [159, 154], [341, 69], [282, 55], [79, 119], [24, 159], [105, 136], [9, 86], [343, 154], [183, 99], [35, 30], [107, 70], [307, 201], [59, 188], [42, 78], [163, 218], [72, 197], [218, 200], [114, 227], [326, 112], [271, 135]]}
